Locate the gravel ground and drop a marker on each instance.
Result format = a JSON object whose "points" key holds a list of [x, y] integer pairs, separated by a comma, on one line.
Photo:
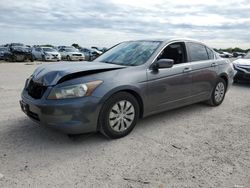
{"points": [[194, 146]]}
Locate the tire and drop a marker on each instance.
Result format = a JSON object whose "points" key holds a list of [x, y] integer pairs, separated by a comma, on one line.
{"points": [[13, 58], [32, 58], [43, 58], [218, 93], [24, 58], [119, 115], [68, 58]]}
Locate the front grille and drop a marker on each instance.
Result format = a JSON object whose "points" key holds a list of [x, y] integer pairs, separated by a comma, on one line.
{"points": [[36, 90]]}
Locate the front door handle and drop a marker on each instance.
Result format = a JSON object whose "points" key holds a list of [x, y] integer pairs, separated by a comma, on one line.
{"points": [[187, 69], [214, 64]]}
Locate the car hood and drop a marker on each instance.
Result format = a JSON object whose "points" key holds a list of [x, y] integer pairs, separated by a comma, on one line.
{"points": [[73, 52], [242, 62], [49, 75], [53, 53]]}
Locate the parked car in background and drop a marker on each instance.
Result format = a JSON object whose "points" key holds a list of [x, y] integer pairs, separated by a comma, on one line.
{"points": [[60, 47], [242, 66], [90, 54], [225, 54], [18, 52], [132, 80], [45, 54], [2, 51], [239, 54], [71, 54], [99, 49]]}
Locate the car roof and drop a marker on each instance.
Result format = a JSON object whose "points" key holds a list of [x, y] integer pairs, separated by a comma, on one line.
{"points": [[170, 40]]}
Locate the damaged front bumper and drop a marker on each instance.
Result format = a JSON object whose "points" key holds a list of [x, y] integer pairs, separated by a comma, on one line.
{"points": [[71, 116]]}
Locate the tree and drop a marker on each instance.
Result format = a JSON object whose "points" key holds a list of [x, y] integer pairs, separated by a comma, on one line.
{"points": [[47, 45]]}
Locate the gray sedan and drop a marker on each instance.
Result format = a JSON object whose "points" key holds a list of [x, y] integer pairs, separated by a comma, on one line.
{"points": [[132, 80]]}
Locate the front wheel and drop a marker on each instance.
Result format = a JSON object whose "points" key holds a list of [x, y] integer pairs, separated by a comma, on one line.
{"points": [[119, 115], [13, 58], [43, 58], [218, 93], [68, 58]]}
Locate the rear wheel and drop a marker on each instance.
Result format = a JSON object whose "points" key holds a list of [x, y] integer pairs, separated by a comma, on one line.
{"points": [[13, 58], [119, 115], [31, 58], [43, 57], [68, 58], [219, 92]]}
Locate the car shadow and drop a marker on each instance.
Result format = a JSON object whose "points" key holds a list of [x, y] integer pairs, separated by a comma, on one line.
{"points": [[171, 114], [28, 134], [25, 132], [242, 84]]}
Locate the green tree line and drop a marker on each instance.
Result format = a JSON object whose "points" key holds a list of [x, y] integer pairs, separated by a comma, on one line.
{"points": [[232, 50]]}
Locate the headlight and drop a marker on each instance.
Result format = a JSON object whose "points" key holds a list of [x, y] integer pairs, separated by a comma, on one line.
{"points": [[46, 54], [27, 81], [74, 91]]}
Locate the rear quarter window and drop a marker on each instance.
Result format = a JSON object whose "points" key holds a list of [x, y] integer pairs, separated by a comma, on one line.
{"points": [[197, 52], [210, 53]]}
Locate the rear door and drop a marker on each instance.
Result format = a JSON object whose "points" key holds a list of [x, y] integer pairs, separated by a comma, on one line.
{"points": [[170, 87], [204, 66], [39, 53]]}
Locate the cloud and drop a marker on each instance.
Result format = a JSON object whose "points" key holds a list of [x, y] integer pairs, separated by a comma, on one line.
{"points": [[116, 20]]}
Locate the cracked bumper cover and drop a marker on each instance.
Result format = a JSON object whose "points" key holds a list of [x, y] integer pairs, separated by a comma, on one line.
{"points": [[71, 116]]}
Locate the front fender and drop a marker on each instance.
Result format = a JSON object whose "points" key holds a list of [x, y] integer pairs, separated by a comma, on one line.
{"points": [[122, 88]]}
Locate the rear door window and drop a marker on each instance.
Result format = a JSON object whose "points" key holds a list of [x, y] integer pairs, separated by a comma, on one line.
{"points": [[197, 52], [210, 53]]}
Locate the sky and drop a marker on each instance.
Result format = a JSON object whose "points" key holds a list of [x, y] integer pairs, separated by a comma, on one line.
{"points": [[220, 24]]}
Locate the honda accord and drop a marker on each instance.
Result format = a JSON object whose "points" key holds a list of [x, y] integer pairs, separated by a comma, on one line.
{"points": [[130, 81]]}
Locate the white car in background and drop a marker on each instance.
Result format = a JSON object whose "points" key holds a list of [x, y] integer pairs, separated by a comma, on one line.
{"points": [[242, 66], [46, 54], [71, 54], [225, 54]]}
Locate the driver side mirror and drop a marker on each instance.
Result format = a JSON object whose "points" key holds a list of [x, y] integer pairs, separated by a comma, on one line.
{"points": [[162, 64]]}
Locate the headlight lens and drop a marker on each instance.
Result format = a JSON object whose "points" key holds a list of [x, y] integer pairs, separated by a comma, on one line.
{"points": [[27, 81], [74, 91]]}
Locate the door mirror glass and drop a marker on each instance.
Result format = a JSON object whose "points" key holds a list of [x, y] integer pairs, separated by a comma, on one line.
{"points": [[163, 63]]}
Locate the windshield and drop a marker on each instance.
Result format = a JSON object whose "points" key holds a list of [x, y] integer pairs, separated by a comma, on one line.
{"points": [[247, 56], [130, 53], [71, 50], [49, 50]]}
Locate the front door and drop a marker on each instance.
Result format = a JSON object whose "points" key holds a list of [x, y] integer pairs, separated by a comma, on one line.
{"points": [[169, 87]]}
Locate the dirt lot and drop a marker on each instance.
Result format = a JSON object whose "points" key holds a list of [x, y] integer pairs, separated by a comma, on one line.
{"points": [[194, 146]]}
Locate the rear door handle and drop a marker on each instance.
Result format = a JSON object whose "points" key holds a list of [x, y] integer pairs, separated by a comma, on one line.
{"points": [[214, 64], [187, 69]]}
